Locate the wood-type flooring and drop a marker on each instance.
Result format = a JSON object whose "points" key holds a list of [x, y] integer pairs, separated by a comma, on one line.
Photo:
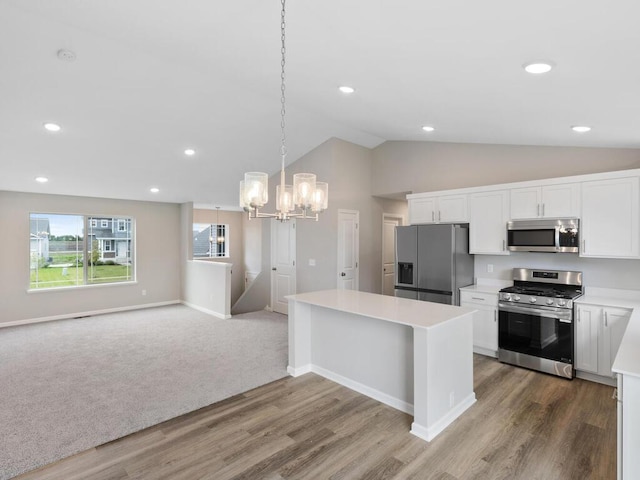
{"points": [[525, 425]]}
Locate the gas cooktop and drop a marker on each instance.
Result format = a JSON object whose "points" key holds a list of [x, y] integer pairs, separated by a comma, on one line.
{"points": [[548, 288]]}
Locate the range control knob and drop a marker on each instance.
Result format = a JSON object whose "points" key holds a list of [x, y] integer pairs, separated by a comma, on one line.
{"points": [[516, 298], [549, 302], [533, 299], [562, 303], [506, 296]]}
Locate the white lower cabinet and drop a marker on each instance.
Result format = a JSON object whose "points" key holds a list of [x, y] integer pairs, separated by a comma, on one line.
{"points": [[485, 321], [598, 334]]}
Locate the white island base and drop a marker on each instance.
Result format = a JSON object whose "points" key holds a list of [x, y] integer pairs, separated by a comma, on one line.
{"points": [[414, 356]]}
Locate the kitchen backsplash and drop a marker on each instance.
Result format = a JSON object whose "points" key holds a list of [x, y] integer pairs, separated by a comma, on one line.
{"points": [[598, 272]]}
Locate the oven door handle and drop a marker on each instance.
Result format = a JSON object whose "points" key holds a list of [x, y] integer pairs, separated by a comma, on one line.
{"points": [[538, 312]]}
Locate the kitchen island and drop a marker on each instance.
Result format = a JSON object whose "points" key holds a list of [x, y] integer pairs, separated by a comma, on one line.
{"points": [[411, 355]]}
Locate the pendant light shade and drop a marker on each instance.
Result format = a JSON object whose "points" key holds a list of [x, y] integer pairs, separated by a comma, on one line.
{"points": [[256, 188], [320, 200], [284, 198], [304, 186]]}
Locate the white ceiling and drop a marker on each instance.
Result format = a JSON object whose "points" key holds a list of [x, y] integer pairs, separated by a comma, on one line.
{"points": [[152, 78]]}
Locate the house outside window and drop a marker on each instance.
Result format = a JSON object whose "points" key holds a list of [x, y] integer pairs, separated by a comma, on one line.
{"points": [[73, 251], [210, 240]]}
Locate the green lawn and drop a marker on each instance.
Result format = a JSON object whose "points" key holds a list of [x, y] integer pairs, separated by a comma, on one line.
{"points": [[53, 276]]}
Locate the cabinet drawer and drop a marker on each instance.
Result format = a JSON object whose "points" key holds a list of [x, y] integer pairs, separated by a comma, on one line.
{"points": [[489, 299]]}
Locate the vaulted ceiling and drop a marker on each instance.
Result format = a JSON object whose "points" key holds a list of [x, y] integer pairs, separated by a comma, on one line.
{"points": [[152, 78]]}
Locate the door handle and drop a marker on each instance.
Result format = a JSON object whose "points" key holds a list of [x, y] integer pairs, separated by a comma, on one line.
{"points": [[274, 269], [343, 274]]}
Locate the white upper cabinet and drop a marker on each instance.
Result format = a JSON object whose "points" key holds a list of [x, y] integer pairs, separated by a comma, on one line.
{"points": [[547, 201], [609, 223], [442, 209], [488, 216]]}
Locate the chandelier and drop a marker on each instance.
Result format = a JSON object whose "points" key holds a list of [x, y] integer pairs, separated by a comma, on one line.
{"points": [[306, 198]]}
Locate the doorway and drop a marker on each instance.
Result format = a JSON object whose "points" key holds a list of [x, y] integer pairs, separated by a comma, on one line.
{"points": [[389, 223], [283, 264], [348, 249]]}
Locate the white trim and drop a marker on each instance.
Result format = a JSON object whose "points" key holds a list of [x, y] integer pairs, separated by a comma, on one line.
{"points": [[365, 390], [296, 372], [592, 377], [206, 310], [429, 433], [89, 313], [487, 352]]}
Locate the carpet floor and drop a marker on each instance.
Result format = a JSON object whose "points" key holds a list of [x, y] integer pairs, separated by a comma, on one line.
{"points": [[67, 386]]}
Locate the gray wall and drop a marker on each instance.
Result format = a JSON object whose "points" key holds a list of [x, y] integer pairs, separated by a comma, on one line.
{"points": [[431, 166], [235, 220], [158, 268]]}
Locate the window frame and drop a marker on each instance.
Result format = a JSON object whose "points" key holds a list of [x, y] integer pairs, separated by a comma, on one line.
{"points": [[88, 274], [214, 248]]}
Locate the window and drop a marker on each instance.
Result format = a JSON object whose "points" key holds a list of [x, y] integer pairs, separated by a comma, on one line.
{"points": [[104, 223], [63, 255], [210, 240]]}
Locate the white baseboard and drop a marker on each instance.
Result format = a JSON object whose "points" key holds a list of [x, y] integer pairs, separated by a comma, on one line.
{"points": [[592, 377], [365, 390], [296, 372], [485, 351], [89, 313], [429, 433], [206, 310]]}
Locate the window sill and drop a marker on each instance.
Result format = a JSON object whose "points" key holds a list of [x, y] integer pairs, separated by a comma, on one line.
{"points": [[79, 287]]}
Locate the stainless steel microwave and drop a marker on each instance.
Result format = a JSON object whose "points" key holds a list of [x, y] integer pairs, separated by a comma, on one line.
{"points": [[559, 235]]}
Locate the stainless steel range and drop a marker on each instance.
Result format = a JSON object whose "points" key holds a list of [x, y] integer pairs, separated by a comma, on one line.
{"points": [[535, 320]]}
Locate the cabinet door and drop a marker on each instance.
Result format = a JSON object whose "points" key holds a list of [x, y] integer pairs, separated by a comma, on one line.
{"points": [[610, 212], [422, 210], [586, 341], [452, 208], [525, 202], [615, 321], [488, 216], [560, 200], [485, 328]]}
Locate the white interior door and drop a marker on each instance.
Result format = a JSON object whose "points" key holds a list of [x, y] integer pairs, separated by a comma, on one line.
{"points": [[348, 249], [283, 264], [389, 224]]}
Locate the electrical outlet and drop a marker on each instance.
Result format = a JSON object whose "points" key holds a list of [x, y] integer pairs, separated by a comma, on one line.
{"points": [[312, 262], [489, 268], [144, 292]]}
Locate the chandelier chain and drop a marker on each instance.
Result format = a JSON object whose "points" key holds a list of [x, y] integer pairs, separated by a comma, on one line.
{"points": [[283, 148]]}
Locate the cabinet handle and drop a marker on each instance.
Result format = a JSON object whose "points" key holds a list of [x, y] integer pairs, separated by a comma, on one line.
{"points": [[538, 214], [439, 215], [543, 209], [495, 315], [433, 216], [606, 320], [584, 246], [478, 298], [578, 314]]}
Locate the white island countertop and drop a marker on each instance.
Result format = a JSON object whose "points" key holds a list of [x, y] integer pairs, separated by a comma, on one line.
{"points": [[404, 311]]}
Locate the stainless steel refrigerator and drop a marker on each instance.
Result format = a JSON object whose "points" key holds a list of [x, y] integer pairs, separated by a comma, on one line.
{"points": [[433, 262]]}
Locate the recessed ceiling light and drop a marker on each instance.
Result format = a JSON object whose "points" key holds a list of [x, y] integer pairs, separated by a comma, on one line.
{"points": [[346, 89], [42, 179], [52, 127], [580, 128], [66, 55], [154, 189], [538, 67], [189, 152], [428, 128]]}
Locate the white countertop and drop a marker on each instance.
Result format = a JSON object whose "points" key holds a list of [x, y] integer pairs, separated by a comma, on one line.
{"points": [[487, 285], [405, 311]]}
